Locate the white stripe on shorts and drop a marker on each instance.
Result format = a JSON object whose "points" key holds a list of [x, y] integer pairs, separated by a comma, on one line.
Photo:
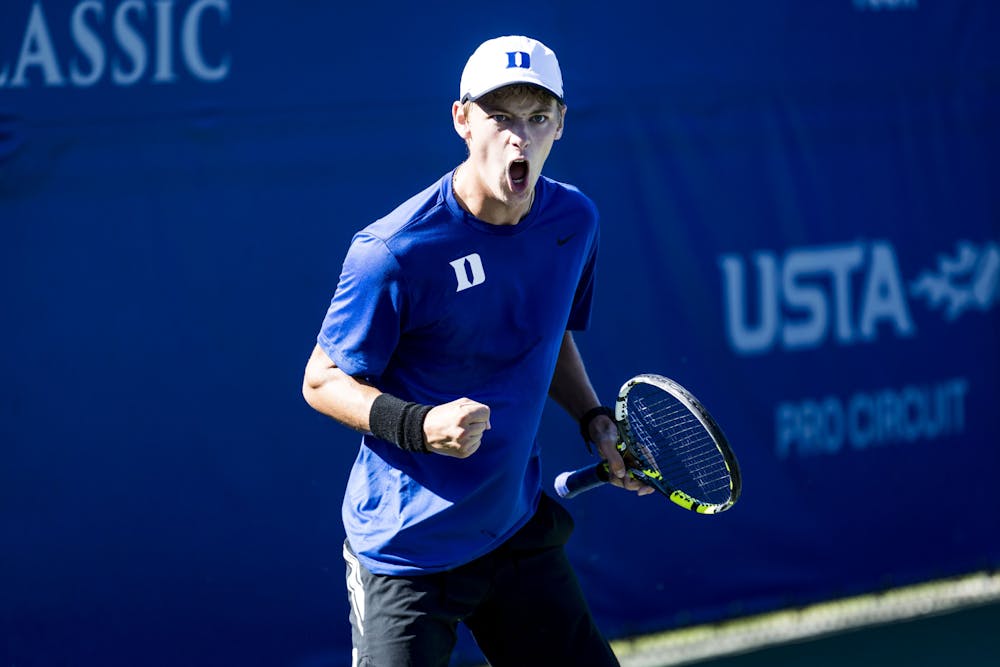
{"points": [[355, 589]]}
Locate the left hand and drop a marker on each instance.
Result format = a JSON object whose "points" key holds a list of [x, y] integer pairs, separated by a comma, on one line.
{"points": [[604, 433]]}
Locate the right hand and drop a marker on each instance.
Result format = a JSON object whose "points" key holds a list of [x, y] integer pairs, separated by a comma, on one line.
{"points": [[456, 428]]}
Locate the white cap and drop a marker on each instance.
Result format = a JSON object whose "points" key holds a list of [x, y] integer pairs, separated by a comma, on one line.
{"points": [[509, 60]]}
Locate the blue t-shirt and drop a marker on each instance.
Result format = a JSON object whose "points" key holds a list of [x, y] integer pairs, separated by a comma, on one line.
{"points": [[433, 305]]}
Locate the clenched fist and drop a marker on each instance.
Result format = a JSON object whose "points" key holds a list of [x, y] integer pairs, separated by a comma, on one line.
{"points": [[456, 428]]}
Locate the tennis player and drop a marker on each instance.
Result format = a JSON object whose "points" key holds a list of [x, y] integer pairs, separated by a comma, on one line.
{"points": [[448, 329]]}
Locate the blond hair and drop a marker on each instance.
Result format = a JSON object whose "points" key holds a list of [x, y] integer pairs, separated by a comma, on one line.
{"points": [[515, 90]]}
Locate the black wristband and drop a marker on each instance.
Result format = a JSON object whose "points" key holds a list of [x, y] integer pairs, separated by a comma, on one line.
{"points": [[588, 417], [399, 422]]}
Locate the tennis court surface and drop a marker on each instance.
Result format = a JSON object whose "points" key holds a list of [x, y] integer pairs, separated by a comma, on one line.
{"points": [[952, 622]]}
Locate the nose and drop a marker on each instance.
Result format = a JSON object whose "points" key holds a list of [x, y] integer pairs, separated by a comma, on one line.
{"points": [[518, 133]]}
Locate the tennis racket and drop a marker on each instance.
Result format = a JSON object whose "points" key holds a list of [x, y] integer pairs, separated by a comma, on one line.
{"points": [[670, 442]]}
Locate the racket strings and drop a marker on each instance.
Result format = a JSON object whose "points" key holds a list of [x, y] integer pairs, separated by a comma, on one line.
{"points": [[677, 446]]}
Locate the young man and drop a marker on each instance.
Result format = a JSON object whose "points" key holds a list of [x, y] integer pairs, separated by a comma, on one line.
{"points": [[447, 331]]}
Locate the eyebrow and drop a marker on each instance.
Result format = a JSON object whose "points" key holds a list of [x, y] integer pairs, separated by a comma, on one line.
{"points": [[491, 109]]}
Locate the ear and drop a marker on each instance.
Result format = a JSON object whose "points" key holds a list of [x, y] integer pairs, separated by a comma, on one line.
{"points": [[562, 121], [460, 120]]}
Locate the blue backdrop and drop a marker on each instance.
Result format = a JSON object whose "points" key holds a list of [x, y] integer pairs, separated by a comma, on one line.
{"points": [[801, 223]]}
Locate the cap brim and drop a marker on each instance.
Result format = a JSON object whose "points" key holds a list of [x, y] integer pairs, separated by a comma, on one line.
{"points": [[468, 97]]}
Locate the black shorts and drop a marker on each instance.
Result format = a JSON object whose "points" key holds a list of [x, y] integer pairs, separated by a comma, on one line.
{"points": [[522, 603]]}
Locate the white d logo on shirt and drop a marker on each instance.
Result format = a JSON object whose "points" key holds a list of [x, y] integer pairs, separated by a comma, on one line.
{"points": [[472, 276]]}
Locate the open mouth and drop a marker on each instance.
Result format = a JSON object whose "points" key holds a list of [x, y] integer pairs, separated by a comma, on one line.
{"points": [[517, 172]]}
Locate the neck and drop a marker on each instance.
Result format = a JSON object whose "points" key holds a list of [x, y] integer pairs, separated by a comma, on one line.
{"points": [[476, 200]]}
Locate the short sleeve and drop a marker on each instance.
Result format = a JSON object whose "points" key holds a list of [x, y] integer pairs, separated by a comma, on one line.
{"points": [[361, 328], [579, 314]]}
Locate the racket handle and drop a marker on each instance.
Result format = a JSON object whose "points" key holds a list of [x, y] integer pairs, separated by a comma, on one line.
{"points": [[575, 482]]}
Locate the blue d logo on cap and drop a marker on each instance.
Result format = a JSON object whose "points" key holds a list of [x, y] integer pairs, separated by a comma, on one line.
{"points": [[518, 59]]}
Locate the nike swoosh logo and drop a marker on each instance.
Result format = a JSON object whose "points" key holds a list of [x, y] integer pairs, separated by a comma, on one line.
{"points": [[565, 240]]}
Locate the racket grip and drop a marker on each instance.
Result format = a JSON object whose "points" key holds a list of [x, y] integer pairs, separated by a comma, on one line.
{"points": [[575, 482]]}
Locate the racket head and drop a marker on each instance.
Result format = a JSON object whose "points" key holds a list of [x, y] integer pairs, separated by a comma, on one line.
{"points": [[672, 443]]}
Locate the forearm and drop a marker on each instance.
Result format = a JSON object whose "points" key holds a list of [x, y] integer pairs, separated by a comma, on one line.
{"points": [[332, 392], [452, 429], [571, 387]]}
